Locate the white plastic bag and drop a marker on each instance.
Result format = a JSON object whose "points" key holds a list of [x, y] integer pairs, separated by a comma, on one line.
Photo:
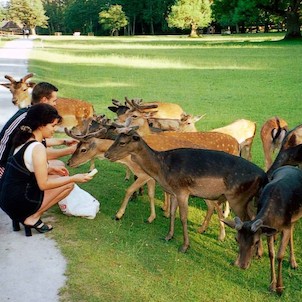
{"points": [[80, 203]]}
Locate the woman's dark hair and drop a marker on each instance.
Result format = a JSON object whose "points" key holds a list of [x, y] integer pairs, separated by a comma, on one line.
{"points": [[41, 90], [37, 116]]}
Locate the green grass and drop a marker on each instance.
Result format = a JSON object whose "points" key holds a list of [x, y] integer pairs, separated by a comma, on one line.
{"points": [[241, 76]]}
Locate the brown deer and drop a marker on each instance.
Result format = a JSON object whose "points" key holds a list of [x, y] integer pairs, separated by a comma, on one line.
{"points": [[155, 111], [89, 148], [242, 130], [183, 172], [280, 206], [73, 111], [272, 134]]}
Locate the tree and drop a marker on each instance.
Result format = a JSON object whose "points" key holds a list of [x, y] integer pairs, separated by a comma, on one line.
{"points": [[2, 13], [84, 15], [289, 10], [190, 14], [261, 12], [113, 19], [30, 13], [55, 10]]}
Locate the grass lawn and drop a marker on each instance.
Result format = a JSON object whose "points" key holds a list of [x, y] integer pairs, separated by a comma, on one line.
{"points": [[253, 76]]}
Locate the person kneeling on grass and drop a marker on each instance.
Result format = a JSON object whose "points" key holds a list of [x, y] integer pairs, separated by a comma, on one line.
{"points": [[29, 186]]}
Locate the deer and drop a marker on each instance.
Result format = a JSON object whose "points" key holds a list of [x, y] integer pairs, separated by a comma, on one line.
{"points": [[73, 111], [182, 172], [205, 140], [272, 134], [244, 131], [157, 111], [89, 148], [279, 208], [290, 152]]}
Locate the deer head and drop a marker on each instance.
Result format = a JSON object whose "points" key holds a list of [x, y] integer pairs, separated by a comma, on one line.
{"points": [[20, 90]]}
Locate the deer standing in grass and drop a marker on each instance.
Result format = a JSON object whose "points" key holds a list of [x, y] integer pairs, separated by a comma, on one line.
{"points": [[183, 172]]}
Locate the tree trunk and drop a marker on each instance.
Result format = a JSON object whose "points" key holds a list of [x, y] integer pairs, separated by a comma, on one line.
{"points": [[152, 27], [293, 25], [33, 30], [134, 24], [193, 30]]}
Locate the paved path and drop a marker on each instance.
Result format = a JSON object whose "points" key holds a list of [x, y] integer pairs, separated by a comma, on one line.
{"points": [[31, 268]]}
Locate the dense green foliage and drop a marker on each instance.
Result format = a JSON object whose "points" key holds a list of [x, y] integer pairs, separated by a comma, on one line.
{"points": [[29, 13], [153, 16], [243, 76], [190, 14], [113, 19]]}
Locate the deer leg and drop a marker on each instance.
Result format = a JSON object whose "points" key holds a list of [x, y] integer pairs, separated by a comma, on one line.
{"points": [[212, 205], [173, 207], [128, 174], [271, 253], [92, 164], [140, 181], [286, 234], [226, 211], [206, 221], [293, 262], [151, 193], [183, 211], [166, 205]]}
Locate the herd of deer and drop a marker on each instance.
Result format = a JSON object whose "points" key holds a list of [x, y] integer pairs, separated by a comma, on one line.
{"points": [[159, 142]]}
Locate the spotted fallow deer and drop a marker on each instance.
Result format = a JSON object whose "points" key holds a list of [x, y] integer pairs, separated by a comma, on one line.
{"points": [[244, 131], [73, 111], [183, 172], [272, 134]]}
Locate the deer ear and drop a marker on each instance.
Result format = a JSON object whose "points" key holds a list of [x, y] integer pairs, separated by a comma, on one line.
{"points": [[112, 108], [31, 84], [268, 231], [136, 137], [230, 223]]}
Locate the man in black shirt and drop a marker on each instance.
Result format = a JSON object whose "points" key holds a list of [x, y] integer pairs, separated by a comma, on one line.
{"points": [[42, 93]]}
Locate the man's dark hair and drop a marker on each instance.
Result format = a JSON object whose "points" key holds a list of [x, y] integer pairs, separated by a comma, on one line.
{"points": [[42, 89]]}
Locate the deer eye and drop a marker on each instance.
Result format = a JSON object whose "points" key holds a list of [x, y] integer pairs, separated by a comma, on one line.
{"points": [[122, 144], [83, 150]]}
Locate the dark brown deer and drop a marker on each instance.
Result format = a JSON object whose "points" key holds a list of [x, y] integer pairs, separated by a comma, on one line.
{"points": [[280, 206], [183, 172]]}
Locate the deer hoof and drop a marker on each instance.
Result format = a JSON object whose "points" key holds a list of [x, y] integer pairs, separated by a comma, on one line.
{"points": [[183, 249]]}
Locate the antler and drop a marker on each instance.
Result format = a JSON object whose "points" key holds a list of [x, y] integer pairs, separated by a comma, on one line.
{"points": [[82, 137], [11, 79], [137, 105], [116, 103], [30, 75]]}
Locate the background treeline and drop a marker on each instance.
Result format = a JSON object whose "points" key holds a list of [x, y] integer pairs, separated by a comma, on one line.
{"points": [[145, 17]]}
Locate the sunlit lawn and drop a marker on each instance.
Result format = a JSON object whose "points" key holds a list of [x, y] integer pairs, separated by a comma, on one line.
{"points": [[245, 76]]}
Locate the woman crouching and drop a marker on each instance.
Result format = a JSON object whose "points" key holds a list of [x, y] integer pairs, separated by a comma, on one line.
{"points": [[29, 185]]}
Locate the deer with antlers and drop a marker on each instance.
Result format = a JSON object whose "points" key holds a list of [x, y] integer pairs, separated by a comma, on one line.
{"points": [[91, 146], [166, 116], [73, 111]]}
